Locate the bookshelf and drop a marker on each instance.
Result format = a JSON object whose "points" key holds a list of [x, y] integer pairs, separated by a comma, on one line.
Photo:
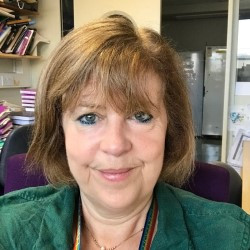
{"points": [[20, 12], [27, 70], [14, 87], [18, 31], [19, 66], [13, 56]]}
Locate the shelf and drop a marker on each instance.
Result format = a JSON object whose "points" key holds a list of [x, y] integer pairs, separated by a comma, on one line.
{"points": [[20, 12], [14, 87], [13, 56]]}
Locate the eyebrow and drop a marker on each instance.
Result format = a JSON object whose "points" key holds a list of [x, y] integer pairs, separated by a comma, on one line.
{"points": [[85, 104]]}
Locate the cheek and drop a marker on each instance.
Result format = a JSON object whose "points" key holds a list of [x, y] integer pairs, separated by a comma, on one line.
{"points": [[79, 147], [79, 156], [151, 149]]}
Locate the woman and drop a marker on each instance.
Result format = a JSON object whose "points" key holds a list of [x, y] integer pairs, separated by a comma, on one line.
{"points": [[112, 120]]}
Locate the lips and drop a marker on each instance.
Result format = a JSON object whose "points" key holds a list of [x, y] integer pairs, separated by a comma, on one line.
{"points": [[115, 175]]}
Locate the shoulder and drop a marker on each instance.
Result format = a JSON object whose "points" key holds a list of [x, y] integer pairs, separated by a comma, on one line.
{"points": [[34, 195], [33, 209], [195, 205], [207, 222]]}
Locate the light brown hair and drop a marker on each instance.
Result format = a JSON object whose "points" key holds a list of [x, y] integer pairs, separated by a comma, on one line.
{"points": [[114, 55]]}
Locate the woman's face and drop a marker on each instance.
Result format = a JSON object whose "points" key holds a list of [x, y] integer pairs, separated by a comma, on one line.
{"points": [[116, 160]]}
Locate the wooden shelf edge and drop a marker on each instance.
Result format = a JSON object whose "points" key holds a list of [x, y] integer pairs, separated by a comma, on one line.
{"points": [[13, 56], [14, 87]]}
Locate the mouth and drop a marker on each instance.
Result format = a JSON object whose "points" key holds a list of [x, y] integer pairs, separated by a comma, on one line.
{"points": [[116, 175]]}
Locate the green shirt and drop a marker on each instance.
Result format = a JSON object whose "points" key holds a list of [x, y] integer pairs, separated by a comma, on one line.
{"points": [[42, 218]]}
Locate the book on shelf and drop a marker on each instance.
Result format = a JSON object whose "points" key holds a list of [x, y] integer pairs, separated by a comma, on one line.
{"points": [[6, 12], [5, 33], [18, 37], [22, 43], [30, 97], [6, 128], [4, 112], [28, 101], [25, 42], [4, 121], [6, 9], [2, 42], [9, 39], [22, 122], [30, 109], [2, 25], [28, 50], [5, 135], [22, 115], [29, 105], [28, 91]]}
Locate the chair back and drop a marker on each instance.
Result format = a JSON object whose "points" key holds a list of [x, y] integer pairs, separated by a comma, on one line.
{"points": [[16, 143], [18, 178], [215, 181]]}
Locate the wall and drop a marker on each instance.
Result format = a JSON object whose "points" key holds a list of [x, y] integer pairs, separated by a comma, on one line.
{"points": [[193, 25], [145, 13], [48, 24], [19, 70], [195, 34]]}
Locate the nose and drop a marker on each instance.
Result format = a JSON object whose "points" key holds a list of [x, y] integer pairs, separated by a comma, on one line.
{"points": [[115, 140]]}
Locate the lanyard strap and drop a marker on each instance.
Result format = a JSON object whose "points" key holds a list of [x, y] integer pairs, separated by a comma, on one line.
{"points": [[149, 227], [148, 231], [77, 244]]}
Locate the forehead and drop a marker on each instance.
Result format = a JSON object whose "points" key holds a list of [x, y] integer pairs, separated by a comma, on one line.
{"points": [[149, 85], [145, 93]]}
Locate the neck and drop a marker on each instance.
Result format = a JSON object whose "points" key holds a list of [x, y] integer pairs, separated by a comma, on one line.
{"points": [[112, 227]]}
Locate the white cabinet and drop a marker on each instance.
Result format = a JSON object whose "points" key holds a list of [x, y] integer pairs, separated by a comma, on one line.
{"points": [[214, 82]]}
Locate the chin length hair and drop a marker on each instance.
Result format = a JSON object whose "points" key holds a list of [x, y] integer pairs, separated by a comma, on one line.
{"points": [[115, 57]]}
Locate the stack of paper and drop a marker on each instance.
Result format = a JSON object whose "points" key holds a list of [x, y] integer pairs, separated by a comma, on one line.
{"points": [[28, 97], [22, 118], [5, 124]]}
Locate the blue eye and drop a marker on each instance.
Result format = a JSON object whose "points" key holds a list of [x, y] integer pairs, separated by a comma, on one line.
{"points": [[142, 117], [88, 119]]}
